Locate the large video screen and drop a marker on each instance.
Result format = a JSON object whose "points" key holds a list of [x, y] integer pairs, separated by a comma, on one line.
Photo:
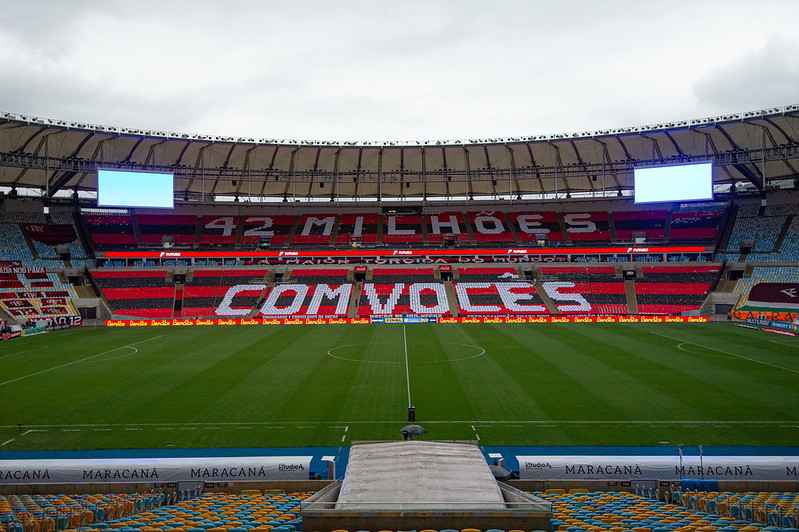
{"points": [[685, 182], [121, 188]]}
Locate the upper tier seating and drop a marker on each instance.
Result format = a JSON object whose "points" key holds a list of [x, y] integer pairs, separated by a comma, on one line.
{"points": [[47, 513], [439, 226], [109, 232], [205, 289], [141, 294], [674, 289], [357, 227], [489, 227], [698, 225], [589, 289], [402, 229], [403, 291], [498, 290], [315, 229], [618, 511], [630, 224], [762, 232], [154, 228], [217, 512]]}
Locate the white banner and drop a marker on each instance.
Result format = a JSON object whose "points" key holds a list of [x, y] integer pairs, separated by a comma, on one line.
{"points": [[587, 467], [225, 469]]}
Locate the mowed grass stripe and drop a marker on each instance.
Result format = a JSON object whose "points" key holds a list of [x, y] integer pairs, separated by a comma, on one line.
{"points": [[264, 386]]}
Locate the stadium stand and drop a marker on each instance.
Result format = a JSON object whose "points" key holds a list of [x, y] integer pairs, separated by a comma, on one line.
{"points": [[764, 274], [156, 228], [696, 226], [277, 511], [315, 229], [205, 289], [403, 291], [496, 291], [489, 226], [773, 509], [759, 231], [110, 231], [357, 228], [586, 290], [587, 226], [674, 289], [647, 224], [402, 229], [310, 292], [48, 513], [581, 510], [141, 294], [446, 225], [532, 226]]}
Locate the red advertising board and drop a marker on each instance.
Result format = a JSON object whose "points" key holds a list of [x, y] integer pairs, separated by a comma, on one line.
{"points": [[607, 250], [234, 322]]}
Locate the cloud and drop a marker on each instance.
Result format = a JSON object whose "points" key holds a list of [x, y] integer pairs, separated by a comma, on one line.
{"points": [[403, 70], [765, 77]]}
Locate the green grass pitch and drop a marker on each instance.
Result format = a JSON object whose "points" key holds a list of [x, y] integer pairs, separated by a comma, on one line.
{"points": [[324, 385]]}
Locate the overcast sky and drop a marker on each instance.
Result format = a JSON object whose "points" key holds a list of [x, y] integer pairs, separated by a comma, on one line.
{"points": [[395, 70]]}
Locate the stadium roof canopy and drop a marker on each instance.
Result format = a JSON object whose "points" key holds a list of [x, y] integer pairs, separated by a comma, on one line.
{"points": [[758, 148]]}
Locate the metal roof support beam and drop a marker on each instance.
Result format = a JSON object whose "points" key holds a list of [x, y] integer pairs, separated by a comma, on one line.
{"points": [[490, 170], [246, 169], [581, 162], [709, 142], [424, 174], [445, 170], [770, 137], [380, 175], [558, 171], [313, 173], [132, 150], [57, 182], [674, 143], [513, 182], [753, 175], [269, 171], [24, 146], [468, 160], [535, 165], [333, 185], [626, 151], [290, 179], [358, 172], [607, 161]]}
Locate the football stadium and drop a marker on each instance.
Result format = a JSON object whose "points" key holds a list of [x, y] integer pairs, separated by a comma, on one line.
{"points": [[571, 332]]}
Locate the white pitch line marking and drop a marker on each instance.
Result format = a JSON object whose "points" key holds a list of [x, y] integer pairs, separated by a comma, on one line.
{"points": [[70, 430], [407, 370], [66, 364], [6, 442], [220, 425], [728, 353], [347, 428]]}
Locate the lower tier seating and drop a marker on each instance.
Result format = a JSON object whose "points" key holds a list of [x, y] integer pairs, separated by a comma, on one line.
{"points": [[674, 289], [582, 511], [496, 291], [48, 513], [585, 290], [776, 509], [219, 512], [141, 294], [205, 290]]}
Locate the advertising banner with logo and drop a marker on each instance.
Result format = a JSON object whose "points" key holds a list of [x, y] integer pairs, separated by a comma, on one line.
{"points": [[658, 467], [351, 253], [774, 296], [205, 322], [155, 470]]}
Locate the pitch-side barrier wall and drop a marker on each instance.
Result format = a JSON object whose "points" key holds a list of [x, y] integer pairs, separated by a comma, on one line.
{"points": [[232, 322]]}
